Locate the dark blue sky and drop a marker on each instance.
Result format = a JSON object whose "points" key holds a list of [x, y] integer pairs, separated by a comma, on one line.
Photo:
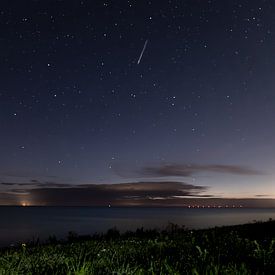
{"points": [[77, 108]]}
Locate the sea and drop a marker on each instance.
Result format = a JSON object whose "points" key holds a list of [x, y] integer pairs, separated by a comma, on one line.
{"points": [[24, 224]]}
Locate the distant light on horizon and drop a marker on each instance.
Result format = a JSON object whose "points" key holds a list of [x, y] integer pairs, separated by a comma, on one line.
{"points": [[25, 204]]}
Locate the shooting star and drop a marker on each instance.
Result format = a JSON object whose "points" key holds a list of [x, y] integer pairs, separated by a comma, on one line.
{"points": [[144, 47]]}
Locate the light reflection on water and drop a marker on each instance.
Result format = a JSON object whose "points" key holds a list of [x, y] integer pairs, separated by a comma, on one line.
{"points": [[20, 224]]}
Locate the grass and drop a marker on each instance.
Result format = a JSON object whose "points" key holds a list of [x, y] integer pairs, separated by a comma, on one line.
{"points": [[245, 249]]}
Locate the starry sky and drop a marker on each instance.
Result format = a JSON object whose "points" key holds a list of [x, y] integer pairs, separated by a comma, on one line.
{"points": [[137, 101]]}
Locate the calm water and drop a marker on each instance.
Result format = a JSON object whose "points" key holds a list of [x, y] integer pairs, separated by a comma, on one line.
{"points": [[20, 224]]}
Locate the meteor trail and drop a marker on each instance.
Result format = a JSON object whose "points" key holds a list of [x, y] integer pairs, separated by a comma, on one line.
{"points": [[144, 47]]}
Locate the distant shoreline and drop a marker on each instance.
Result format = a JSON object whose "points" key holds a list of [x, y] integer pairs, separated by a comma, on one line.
{"points": [[139, 206], [170, 227]]}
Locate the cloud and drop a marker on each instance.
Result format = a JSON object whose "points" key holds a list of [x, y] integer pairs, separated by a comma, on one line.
{"points": [[36, 184], [46, 184], [143, 193], [149, 193], [187, 170], [8, 183], [115, 193], [118, 194]]}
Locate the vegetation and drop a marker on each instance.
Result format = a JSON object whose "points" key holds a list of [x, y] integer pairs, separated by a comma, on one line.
{"points": [[245, 249]]}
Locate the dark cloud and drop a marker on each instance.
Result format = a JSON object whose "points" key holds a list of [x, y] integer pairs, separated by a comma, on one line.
{"points": [[187, 170], [45, 184], [120, 194], [36, 183], [28, 183], [159, 194], [143, 193], [114, 193], [8, 183]]}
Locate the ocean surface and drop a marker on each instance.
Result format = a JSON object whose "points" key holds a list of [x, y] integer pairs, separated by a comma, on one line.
{"points": [[22, 224]]}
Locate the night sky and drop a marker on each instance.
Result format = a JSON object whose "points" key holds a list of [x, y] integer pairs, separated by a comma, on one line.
{"points": [[137, 102]]}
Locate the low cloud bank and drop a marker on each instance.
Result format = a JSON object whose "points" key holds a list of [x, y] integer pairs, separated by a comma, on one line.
{"points": [[153, 192], [187, 170]]}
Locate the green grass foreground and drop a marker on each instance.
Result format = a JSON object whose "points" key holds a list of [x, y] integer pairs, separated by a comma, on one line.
{"points": [[245, 249]]}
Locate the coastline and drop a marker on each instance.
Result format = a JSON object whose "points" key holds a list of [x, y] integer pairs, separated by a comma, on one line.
{"points": [[239, 249]]}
